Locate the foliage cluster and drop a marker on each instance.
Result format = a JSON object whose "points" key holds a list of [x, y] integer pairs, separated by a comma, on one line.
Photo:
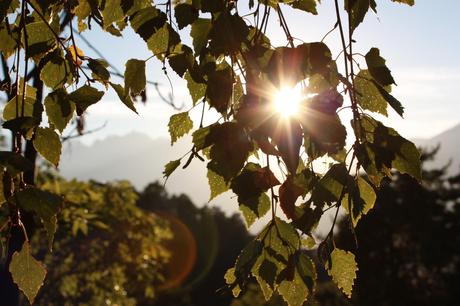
{"points": [[106, 249], [233, 68]]}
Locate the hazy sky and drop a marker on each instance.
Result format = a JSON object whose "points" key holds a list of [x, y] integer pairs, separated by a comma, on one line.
{"points": [[421, 45]]}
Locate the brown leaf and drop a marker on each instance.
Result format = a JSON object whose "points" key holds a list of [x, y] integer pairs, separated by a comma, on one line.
{"points": [[288, 193]]}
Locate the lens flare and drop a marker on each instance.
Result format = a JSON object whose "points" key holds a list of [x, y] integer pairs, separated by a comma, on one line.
{"points": [[286, 101]]}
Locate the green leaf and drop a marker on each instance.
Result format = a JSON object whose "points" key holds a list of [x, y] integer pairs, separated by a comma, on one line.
{"points": [[219, 89], [305, 5], [59, 109], [287, 233], [99, 69], [217, 184], [247, 259], [254, 209], [43, 203], [170, 168], [179, 125], [84, 97], [408, 2], [368, 95], [124, 97], [200, 31], [230, 150], [357, 10], [197, 90], [307, 271], [185, 14], [378, 69], [332, 185], [135, 79], [289, 192], [31, 107], [7, 40], [163, 40], [265, 272], [27, 272], [294, 292], [385, 149], [199, 137], [181, 59], [230, 279], [48, 144], [250, 187], [40, 39], [394, 103], [146, 21], [56, 71], [112, 12], [361, 200], [227, 34], [342, 268]]}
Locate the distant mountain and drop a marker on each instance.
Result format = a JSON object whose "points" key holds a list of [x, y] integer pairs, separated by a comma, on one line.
{"points": [[449, 142], [138, 158]]}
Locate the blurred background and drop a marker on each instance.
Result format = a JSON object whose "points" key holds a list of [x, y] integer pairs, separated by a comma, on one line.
{"points": [[125, 238]]}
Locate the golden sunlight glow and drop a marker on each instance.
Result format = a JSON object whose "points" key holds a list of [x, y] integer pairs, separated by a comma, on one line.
{"points": [[286, 101]]}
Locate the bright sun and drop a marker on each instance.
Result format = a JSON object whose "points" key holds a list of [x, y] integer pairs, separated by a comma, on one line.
{"points": [[286, 101]]}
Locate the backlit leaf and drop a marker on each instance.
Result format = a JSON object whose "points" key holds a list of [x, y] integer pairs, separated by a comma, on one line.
{"points": [[230, 279], [305, 5], [40, 38], [255, 208], [59, 109], [360, 201], [170, 168], [27, 272], [179, 125], [217, 184], [200, 31], [342, 268], [197, 90], [124, 96], [99, 69], [135, 79], [368, 95], [48, 144]]}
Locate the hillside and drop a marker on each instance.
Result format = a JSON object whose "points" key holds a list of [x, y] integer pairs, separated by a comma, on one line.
{"points": [[449, 148], [139, 159]]}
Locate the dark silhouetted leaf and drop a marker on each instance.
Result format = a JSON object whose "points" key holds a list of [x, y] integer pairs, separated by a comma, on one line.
{"points": [[199, 33], [378, 69], [185, 14], [84, 97], [124, 96], [135, 79]]}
